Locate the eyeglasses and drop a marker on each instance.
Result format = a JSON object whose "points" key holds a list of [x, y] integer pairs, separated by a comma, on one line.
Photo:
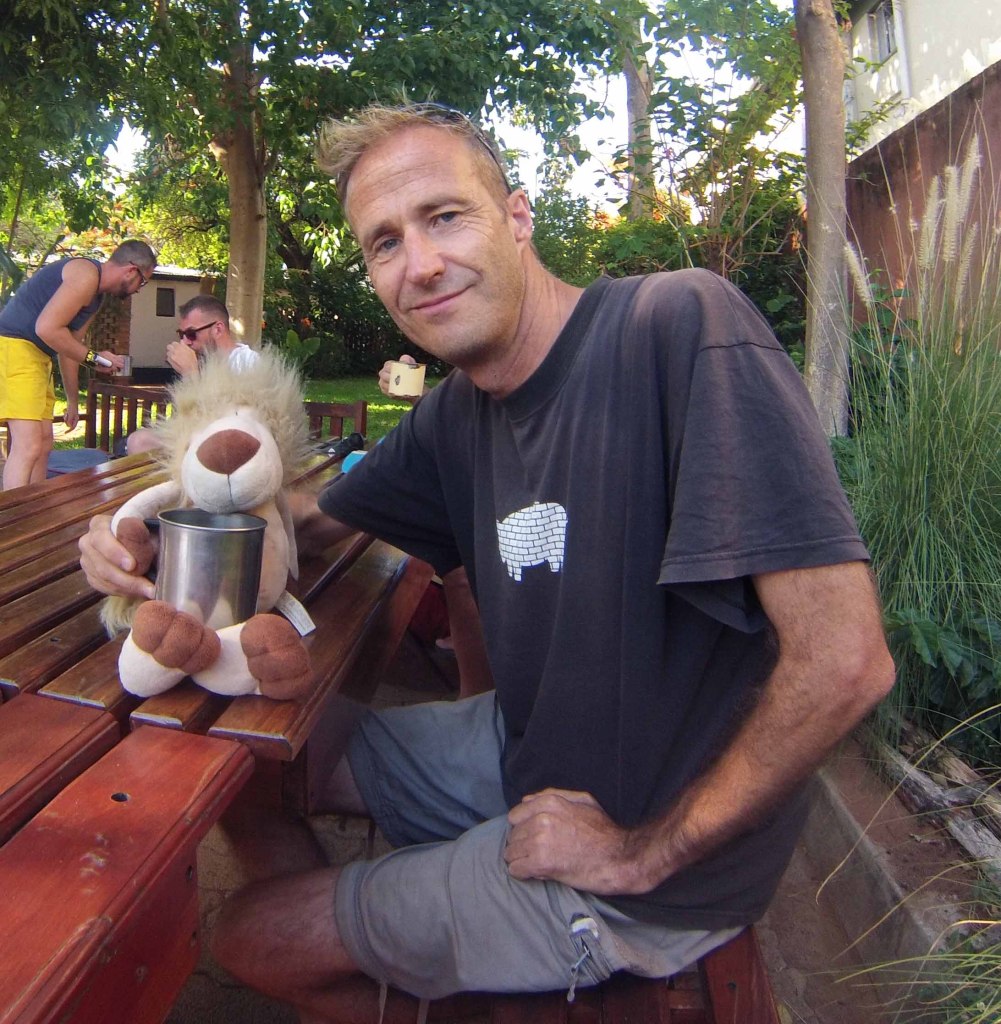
{"points": [[192, 332], [142, 277], [438, 113]]}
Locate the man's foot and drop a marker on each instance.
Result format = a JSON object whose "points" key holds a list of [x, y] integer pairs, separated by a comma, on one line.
{"points": [[174, 639], [276, 657]]}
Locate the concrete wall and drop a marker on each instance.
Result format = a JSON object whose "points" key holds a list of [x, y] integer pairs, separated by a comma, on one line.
{"points": [[941, 45]]}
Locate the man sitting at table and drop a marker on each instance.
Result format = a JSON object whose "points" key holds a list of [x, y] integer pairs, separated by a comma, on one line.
{"points": [[677, 607], [204, 328], [48, 316]]}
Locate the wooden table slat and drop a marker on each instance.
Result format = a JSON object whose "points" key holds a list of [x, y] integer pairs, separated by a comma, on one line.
{"points": [[45, 567], [76, 510], [93, 680], [36, 662], [75, 481], [71, 487], [44, 744], [186, 706], [43, 609], [278, 729]]}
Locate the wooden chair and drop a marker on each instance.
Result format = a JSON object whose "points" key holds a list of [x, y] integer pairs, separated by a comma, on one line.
{"points": [[115, 410], [327, 419]]}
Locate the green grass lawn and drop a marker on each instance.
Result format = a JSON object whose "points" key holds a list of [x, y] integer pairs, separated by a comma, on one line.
{"points": [[383, 412]]}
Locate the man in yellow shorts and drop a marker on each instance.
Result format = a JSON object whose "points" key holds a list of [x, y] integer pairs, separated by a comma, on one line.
{"points": [[46, 317]]}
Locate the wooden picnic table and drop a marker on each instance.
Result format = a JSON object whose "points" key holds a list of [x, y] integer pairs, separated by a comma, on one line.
{"points": [[360, 594], [91, 775]]}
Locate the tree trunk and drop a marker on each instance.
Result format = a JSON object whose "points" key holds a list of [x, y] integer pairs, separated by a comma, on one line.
{"points": [[243, 158], [248, 230], [642, 190], [827, 312]]}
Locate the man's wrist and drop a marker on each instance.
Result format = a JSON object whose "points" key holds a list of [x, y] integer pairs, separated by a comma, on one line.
{"points": [[90, 359]]}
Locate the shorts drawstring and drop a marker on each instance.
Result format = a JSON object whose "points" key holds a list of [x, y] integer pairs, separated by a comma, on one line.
{"points": [[580, 925]]}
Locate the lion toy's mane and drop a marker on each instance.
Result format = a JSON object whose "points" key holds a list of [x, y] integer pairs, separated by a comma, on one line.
{"points": [[271, 386]]}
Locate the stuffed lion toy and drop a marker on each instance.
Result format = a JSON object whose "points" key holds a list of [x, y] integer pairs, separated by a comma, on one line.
{"points": [[234, 442]]}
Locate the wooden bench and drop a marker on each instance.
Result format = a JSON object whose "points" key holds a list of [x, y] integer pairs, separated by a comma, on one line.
{"points": [[100, 894], [728, 986], [116, 410]]}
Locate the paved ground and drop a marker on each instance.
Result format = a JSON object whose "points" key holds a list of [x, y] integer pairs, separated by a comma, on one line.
{"points": [[802, 943]]}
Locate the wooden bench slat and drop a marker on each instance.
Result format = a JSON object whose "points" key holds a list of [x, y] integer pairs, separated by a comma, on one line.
{"points": [[44, 744], [93, 681], [99, 901], [737, 982], [45, 608], [35, 663], [278, 729]]}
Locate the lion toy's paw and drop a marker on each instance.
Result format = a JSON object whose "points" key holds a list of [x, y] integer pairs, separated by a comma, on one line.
{"points": [[276, 657], [174, 639], [133, 535]]}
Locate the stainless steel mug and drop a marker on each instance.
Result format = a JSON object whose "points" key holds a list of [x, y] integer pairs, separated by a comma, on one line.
{"points": [[210, 564]]}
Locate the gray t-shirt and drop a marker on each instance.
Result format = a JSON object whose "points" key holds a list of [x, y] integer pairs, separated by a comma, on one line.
{"points": [[611, 513]]}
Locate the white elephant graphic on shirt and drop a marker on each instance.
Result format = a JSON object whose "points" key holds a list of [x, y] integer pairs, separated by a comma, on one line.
{"points": [[531, 536]]}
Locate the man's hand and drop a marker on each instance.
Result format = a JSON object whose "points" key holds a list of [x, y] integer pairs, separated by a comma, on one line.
{"points": [[565, 836], [108, 564], [385, 373], [117, 363], [182, 358], [71, 416]]}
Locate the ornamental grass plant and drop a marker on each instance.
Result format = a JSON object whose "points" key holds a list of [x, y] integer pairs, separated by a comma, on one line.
{"points": [[922, 464], [922, 468]]}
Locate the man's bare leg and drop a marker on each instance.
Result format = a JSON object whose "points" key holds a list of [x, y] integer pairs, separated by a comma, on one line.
{"points": [[30, 442], [280, 938]]}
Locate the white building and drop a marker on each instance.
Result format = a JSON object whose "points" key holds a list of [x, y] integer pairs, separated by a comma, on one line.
{"points": [[909, 54]]}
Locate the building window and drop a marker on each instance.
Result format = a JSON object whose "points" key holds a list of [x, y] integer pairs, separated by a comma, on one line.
{"points": [[883, 34], [165, 302]]}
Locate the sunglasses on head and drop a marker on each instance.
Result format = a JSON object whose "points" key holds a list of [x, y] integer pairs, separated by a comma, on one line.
{"points": [[192, 332]]}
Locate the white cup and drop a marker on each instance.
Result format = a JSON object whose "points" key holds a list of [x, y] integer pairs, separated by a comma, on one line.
{"points": [[406, 379]]}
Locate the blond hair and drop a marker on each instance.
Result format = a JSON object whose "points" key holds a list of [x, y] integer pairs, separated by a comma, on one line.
{"points": [[343, 142]]}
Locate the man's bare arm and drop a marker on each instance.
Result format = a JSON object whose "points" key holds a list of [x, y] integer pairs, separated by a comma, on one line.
{"points": [[78, 288], [833, 667]]}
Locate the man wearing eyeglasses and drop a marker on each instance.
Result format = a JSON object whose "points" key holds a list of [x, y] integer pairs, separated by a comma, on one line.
{"points": [[204, 328], [679, 616], [47, 317]]}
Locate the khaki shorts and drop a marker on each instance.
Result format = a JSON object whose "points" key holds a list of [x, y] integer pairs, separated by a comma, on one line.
{"points": [[26, 388], [445, 915]]}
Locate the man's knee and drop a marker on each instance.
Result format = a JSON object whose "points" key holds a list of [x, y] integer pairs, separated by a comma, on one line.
{"points": [[141, 440], [280, 936]]}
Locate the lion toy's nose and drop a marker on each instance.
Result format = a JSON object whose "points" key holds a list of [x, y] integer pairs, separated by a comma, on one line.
{"points": [[226, 451]]}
